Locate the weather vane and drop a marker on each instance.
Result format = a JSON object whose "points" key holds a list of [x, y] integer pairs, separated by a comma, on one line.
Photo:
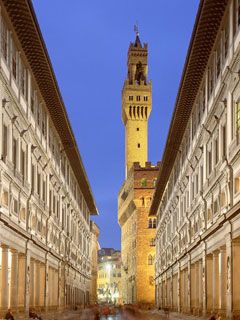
{"points": [[136, 29]]}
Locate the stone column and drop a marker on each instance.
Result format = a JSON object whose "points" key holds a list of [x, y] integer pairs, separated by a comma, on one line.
{"points": [[200, 287], [204, 281], [5, 287], [42, 284], [50, 286], [222, 278], [229, 297], [14, 281], [32, 291], [193, 287], [189, 285], [21, 280], [171, 289], [27, 283], [209, 267], [46, 302], [196, 282], [235, 276], [61, 285], [215, 277], [37, 284], [179, 289]]}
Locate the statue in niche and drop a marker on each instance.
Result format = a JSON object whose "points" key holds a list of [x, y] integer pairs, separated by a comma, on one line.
{"points": [[139, 76], [228, 274]]}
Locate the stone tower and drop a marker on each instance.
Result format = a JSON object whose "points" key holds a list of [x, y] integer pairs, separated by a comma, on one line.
{"points": [[136, 105], [138, 230]]}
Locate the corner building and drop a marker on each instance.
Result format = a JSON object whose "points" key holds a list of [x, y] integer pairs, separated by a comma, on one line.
{"points": [[198, 201], [137, 229], [95, 231], [45, 197]]}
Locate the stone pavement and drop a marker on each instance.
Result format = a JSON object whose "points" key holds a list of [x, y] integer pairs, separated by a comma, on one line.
{"points": [[174, 316]]}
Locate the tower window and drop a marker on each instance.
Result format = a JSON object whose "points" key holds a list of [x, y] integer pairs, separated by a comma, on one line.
{"points": [[138, 145], [137, 129], [138, 98], [145, 98], [130, 98]]}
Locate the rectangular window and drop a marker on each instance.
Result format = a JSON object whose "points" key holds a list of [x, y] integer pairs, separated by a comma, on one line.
{"points": [[14, 61], [15, 206], [226, 39], [196, 183], [210, 80], [224, 145], [237, 116], [33, 178], [23, 80], [138, 98], [23, 159], [130, 98], [218, 60], [193, 124], [44, 123], [209, 162], [14, 153], [216, 151], [39, 183], [44, 190], [145, 98], [4, 40], [201, 177], [238, 13], [32, 98], [5, 142], [50, 200]]}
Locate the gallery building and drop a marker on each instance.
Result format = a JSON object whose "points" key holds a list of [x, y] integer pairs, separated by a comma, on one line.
{"points": [[45, 196], [197, 198]]}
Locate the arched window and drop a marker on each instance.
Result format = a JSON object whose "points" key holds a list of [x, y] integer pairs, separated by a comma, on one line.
{"points": [[144, 182], [152, 242], [154, 182], [154, 224], [150, 260], [143, 201], [150, 223]]}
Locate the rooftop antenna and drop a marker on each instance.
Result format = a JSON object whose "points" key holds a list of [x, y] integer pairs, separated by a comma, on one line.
{"points": [[136, 30]]}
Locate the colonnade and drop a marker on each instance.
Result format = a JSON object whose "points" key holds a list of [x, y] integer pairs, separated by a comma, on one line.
{"points": [[75, 296], [27, 283], [203, 285]]}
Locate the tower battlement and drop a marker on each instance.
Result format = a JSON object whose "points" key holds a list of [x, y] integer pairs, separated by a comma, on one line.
{"points": [[148, 165]]}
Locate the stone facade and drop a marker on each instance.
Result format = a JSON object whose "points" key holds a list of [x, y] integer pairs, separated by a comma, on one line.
{"points": [[137, 229], [198, 220], [138, 232], [94, 261], [44, 209]]}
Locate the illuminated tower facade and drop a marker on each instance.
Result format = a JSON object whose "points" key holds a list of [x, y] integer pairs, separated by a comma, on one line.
{"points": [[136, 105]]}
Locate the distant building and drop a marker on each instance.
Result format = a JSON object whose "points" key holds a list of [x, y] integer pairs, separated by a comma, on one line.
{"points": [[197, 199], [109, 276], [137, 228], [94, 247]]}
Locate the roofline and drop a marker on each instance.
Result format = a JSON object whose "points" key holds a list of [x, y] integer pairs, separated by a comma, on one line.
{"points": [[17, 21], [182, 110]]}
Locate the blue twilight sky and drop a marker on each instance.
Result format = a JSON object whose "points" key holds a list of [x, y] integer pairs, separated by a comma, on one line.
{"points": [[87, 41]]}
